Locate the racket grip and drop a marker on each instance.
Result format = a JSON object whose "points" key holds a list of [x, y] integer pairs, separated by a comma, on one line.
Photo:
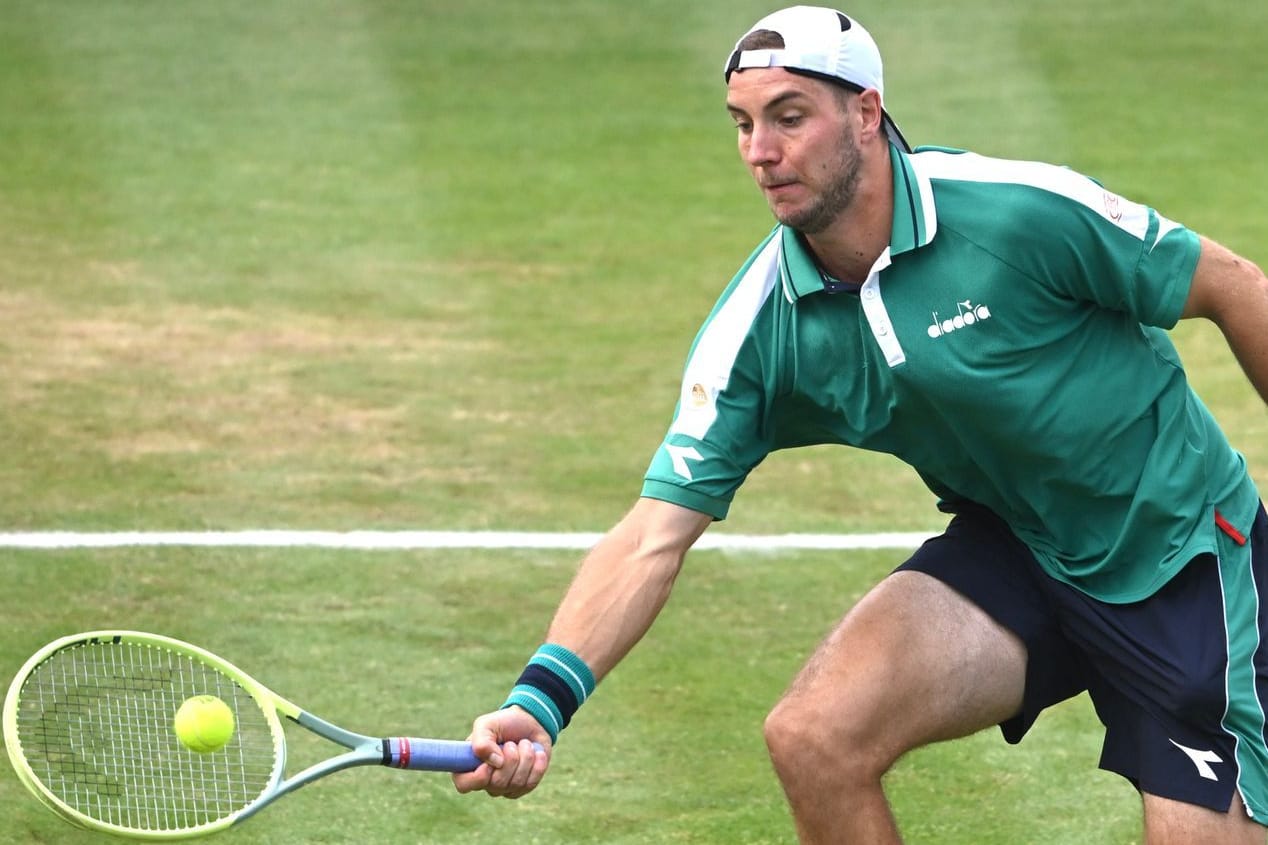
{"points": [[432, 755]]}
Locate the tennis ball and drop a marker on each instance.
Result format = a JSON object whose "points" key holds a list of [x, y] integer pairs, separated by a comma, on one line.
{"points": [[204, 724]]}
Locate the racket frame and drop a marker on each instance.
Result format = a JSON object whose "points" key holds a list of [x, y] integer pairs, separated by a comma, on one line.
{"points": [[363, 750]]}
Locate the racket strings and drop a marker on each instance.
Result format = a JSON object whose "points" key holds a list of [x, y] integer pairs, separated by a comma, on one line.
{"points": [[96, 727]]}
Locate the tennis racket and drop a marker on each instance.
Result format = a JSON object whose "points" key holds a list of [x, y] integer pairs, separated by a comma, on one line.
{"points": [[88, 724]]}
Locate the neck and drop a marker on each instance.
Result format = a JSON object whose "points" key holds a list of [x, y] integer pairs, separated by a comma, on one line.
{"points": [[850, 245]]}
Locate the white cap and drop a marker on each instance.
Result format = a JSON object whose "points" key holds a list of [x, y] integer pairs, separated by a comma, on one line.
{"points": [[823, 43]]}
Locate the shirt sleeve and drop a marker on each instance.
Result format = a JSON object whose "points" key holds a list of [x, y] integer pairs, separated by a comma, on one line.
{"points": [[717, 438], [1117, 253]]}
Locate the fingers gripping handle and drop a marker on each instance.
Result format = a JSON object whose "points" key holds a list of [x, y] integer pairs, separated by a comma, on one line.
{"points": [[433, 755]]}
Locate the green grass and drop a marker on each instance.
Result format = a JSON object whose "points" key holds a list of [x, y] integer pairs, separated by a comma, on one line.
{"points": [[369, 264], [669, 751]]}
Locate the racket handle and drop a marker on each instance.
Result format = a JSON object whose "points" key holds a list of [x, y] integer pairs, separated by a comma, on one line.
{"points": [[433, 755]]}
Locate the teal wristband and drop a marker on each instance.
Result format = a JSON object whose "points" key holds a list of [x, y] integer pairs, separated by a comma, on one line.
{"points": [[553, 685]]}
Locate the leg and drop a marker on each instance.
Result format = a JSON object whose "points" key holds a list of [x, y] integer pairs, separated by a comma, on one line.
{"points": [[913, 663], [1170, 822]]}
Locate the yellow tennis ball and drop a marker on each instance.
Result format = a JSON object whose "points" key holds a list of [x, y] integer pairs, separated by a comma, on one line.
{"points": [[204, 724]]}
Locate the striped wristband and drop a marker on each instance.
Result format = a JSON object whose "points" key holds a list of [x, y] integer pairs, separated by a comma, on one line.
{"points": [[552, 686]]}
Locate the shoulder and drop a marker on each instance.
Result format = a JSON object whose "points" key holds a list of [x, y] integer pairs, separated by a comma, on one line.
{"points": [[745, 304], [1011, 192], [1043, 219], [949, 164], [754, 283]]}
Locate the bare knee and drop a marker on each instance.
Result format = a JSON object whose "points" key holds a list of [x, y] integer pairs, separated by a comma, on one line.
{"points": [[803, 740], [912, 663]]}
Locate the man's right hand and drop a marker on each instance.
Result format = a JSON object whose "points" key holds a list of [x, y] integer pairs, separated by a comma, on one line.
{"points": [[512, 767]]}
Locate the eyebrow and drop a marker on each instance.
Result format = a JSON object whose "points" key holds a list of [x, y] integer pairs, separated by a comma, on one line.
{"points": [[776, 101]]}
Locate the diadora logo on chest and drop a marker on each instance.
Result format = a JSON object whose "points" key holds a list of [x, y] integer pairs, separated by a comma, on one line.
{"points": [[966, 314]]}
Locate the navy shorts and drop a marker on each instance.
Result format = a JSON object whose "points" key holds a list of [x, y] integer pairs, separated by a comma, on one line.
{"points": [[1178, 679]]}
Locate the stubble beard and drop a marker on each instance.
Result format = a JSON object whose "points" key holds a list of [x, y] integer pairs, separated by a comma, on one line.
{"points": [[836, 197]]}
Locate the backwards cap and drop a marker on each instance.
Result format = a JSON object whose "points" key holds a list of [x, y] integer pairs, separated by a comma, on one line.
{"points": [[822, 43]]}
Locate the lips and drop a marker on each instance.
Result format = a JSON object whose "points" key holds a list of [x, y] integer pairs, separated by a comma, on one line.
{"points": [[777, 188]]}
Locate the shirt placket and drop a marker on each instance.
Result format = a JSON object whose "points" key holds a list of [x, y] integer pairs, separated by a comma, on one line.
{"points": [[878, 317]]}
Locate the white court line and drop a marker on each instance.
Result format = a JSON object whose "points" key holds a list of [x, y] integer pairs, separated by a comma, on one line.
{"points": [[435, 540]]}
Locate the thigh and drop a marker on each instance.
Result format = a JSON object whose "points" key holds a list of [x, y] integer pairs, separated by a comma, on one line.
{"points": [[913, 662], [981, 559], [1170, 822]]}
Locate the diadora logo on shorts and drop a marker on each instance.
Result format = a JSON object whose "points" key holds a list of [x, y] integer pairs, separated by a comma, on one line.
{"points": [[966, 314], [1201, 759]]}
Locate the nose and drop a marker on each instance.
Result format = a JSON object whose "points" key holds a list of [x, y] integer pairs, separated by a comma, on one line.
{"points": [[759, 146]]}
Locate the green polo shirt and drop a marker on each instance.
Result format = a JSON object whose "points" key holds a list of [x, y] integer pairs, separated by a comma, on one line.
{"points": [[1009, 345]]}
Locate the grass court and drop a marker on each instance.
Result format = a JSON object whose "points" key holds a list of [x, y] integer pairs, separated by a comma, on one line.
{"points": [[374, 264]]}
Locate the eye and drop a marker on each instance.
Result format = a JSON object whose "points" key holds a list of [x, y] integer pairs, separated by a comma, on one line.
{"points": [[792, 120]]}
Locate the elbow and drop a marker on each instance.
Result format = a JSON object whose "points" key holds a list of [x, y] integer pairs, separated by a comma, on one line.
{"points": [[657, 557], [654, 539]]}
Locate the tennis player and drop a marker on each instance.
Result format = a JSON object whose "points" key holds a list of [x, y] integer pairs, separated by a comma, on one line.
{"points": [[1001, 327]]}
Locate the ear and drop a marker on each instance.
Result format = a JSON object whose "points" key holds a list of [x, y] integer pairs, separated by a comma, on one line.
{"points": [[871, 114]]}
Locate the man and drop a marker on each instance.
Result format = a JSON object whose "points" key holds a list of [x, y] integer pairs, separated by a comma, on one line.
{"points": [[999, 326]]}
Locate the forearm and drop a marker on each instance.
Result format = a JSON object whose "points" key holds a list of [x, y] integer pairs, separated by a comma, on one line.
{"points": [[620, 588], [1250, 354]]}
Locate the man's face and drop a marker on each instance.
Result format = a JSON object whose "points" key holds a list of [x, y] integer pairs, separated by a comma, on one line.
{"points": [[796, 137]]}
